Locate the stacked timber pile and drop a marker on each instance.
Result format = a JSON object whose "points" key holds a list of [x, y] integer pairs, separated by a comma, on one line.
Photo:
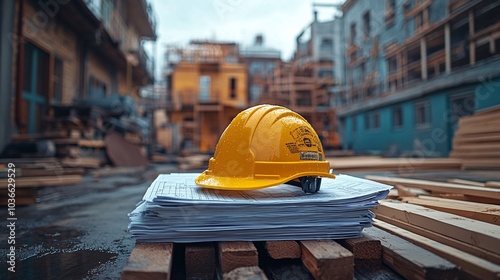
{"points": [[435, 230], [27, 175], [458, 220], [401, 165], [477, 140]]}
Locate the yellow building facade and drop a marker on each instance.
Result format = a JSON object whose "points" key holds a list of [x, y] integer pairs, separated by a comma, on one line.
{"points": [[208, 88]]}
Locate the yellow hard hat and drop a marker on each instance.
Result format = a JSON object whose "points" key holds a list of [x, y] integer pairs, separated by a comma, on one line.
{"points": [[263, 146]]}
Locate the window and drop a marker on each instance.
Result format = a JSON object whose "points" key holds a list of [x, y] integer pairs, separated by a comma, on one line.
{"points": [[352, 39], [354, 123], [204, 88], [397, 117], [366, 25], [367, 121], [326, 44], [97, 88], [232, 88], [423, 114]]}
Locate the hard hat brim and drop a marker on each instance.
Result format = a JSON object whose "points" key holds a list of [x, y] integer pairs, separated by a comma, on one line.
{"points": [[207, 180]]}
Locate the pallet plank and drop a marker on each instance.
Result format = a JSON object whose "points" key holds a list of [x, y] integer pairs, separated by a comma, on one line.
{"points": [[233, 255], [149, 261], [326, 259]]}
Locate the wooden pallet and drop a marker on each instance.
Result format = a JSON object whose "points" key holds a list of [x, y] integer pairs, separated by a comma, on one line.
{"points": [[420, 236]]}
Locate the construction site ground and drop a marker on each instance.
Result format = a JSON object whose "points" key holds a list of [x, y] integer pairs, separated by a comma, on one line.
{"points": [[80, 231]]}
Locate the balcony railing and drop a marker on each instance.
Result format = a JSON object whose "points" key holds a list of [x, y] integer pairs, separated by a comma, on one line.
{"points": [[105, 11]]}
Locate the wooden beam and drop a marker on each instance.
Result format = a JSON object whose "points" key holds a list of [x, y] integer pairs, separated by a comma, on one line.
{"points": [[466, 182], [410, 260], [363, 248], [200, 261], [46, 181], [149, 261], [471, 249], [233, 255], [480, 234], [423, 57], [439, 186], [478, 267], [472, 44], [283, 249], [492, 184], [447, 47], [326, 259], [489, 214]]}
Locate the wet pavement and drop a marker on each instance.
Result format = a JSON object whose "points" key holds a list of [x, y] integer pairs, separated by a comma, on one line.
{"points": [[76, 232]]}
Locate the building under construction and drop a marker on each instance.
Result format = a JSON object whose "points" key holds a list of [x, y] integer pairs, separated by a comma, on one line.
{"points": [[207, 86], [413, 69], [304, 84]]}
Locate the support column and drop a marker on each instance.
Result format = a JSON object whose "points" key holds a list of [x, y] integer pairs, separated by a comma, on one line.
{"points": [[423, 58], [472, 44], [447, 48], [7, 12]]}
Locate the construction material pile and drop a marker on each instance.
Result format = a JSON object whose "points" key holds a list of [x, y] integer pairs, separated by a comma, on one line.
{"points": [[175, 209], [477, 140]]}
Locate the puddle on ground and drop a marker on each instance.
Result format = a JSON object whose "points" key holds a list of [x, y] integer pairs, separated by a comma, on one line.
{"points": [[53, 237], [63, 265]]}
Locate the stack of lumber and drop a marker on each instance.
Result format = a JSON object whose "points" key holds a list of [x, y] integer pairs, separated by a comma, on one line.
{"points": [[436, 230], [458, 220], [477, 140], [31, 174], [401, 165], [378, 254]]}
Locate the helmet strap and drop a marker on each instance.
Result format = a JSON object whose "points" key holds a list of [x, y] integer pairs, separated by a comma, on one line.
{"points": [[309, 184]]}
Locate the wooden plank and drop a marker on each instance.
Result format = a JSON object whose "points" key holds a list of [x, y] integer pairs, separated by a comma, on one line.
{"points": [[492, 184], [248, 272], [477, 267], [471, 249], [149, 261], [466, 182], [489, 214], [405, 191], [89, 143], [233, 255], [410, 260], [363, 248], [326, 259], [200, 261], [84, 162], [283, 249], [438, 186], [480, 234], [46, 181]]}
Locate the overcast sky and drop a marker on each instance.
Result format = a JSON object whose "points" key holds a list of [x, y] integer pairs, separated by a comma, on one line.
{"points": [[280, 21]]}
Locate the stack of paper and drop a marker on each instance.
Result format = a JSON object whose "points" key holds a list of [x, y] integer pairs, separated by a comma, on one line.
{"points": [[175, 209]]}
